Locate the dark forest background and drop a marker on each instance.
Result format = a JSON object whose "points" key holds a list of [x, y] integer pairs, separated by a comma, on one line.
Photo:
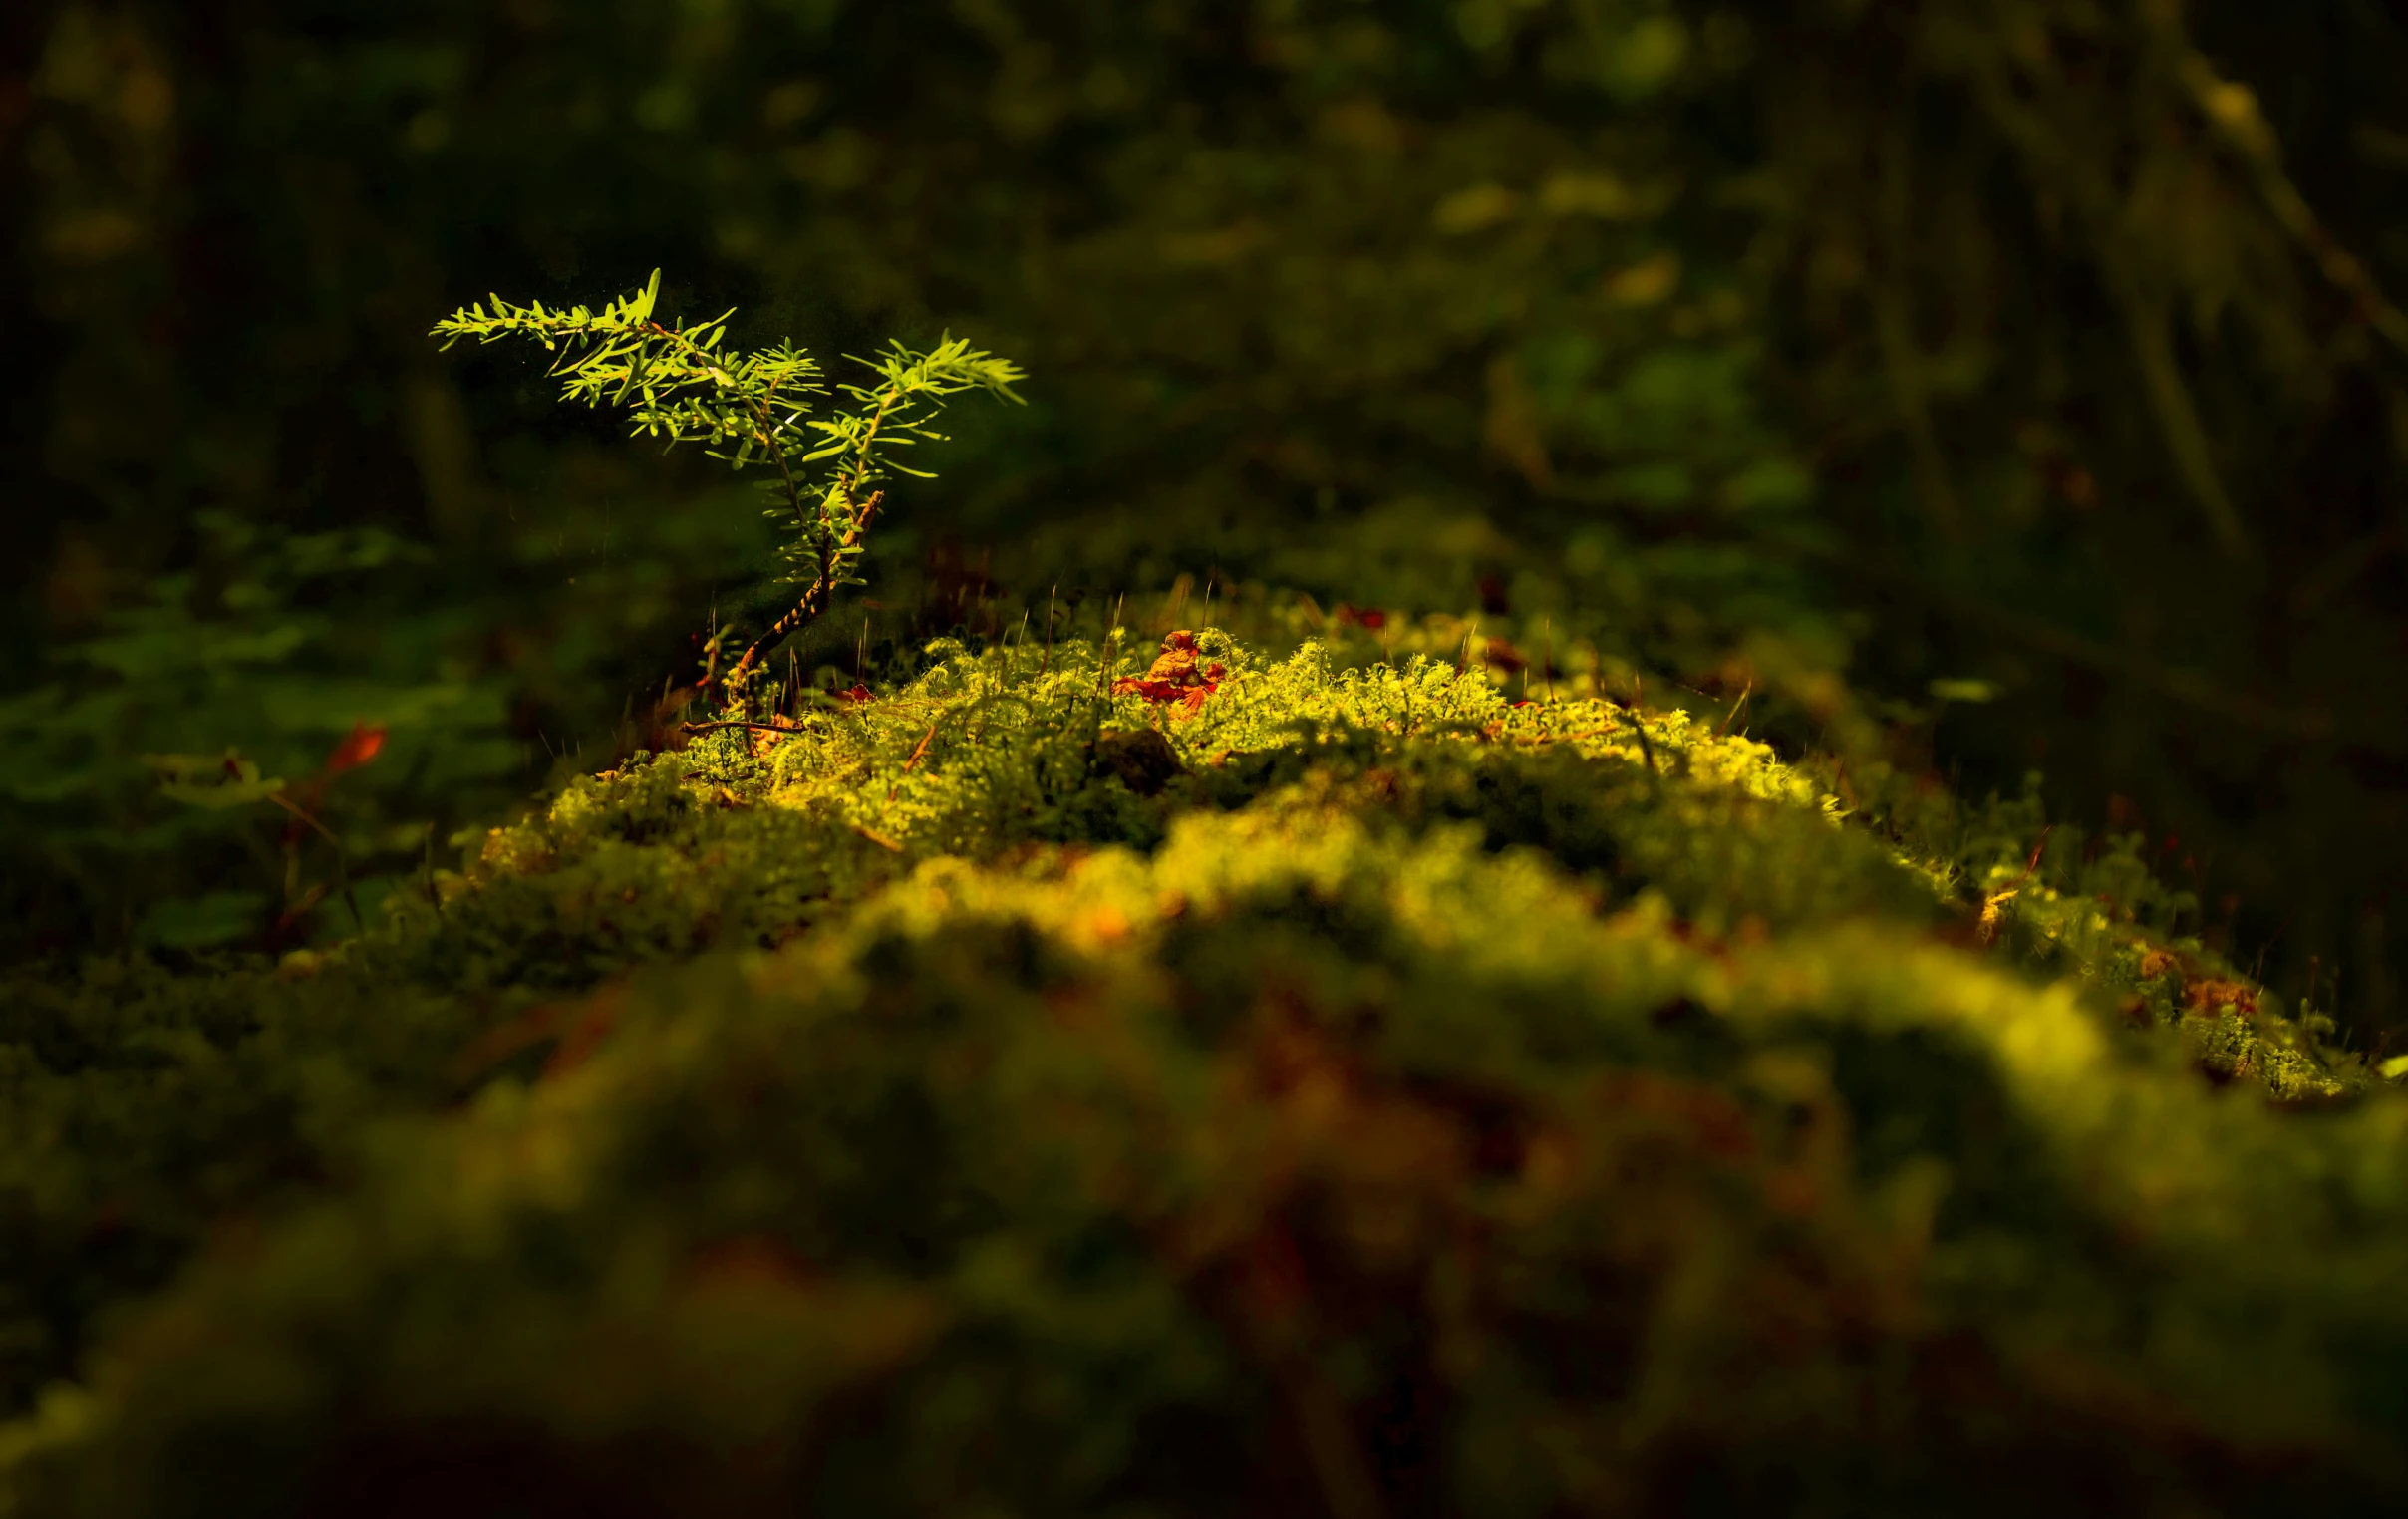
{"points": [[1993, 387]]}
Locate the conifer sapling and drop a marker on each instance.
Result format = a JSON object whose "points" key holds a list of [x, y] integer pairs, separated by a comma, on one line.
{"points": [[683, 383]]}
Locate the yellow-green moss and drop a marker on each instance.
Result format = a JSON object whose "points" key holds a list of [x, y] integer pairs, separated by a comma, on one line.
{"points": [[1371, 1089]]}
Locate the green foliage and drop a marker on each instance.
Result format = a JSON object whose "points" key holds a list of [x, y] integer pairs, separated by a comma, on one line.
{"points": [[1064, 1080], [1040, 1087], [1727, 335], [157, 791], [756, 407], [120, 802]]}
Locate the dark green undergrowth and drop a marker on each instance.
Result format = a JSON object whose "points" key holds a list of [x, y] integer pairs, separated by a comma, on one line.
{"points": [[1283, 1088]]}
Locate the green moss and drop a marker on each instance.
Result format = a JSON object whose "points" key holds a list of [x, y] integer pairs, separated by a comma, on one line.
{"points": [[1025, 1093]]}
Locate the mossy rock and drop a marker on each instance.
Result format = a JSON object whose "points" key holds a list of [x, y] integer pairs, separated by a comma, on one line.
{"points": [[1344, 1093]]}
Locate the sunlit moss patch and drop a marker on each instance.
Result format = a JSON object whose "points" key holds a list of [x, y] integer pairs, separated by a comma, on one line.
{"points": [[1110, 1079]]}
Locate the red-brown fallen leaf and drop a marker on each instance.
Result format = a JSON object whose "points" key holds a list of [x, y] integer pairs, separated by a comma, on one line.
{"points": [[2204, 996], [1153, 691], [1175, 676], [360, 745]]}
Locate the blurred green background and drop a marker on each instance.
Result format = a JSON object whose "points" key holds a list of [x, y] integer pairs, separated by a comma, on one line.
{"points": [[1828, 349]]}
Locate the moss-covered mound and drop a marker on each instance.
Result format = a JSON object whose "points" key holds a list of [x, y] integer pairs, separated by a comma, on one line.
{"points": [[1236, 1087]]}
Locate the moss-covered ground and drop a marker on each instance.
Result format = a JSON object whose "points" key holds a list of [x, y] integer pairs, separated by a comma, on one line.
{"points": [[1244, 1086]]}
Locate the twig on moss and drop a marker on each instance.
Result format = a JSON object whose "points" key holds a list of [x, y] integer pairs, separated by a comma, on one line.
{"points": [[880, 839], [914, 760], [1586, 733], [768, 728]]}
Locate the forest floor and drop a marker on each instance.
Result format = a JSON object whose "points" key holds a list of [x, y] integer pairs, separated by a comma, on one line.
{"points": [[1190, 1080]]}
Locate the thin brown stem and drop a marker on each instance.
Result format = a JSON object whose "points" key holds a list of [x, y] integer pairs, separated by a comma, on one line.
{"points": [[1733, 716], [914, 760], [707, 728], [305, 817], [814, 600], [849, 481], [855, 473]]}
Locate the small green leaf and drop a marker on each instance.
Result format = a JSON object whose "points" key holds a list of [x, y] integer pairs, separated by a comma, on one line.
{"points": [[1966, 689], [202, 922]]}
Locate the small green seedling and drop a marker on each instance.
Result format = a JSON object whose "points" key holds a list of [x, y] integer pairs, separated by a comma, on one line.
{"points": [[756, 407]]}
